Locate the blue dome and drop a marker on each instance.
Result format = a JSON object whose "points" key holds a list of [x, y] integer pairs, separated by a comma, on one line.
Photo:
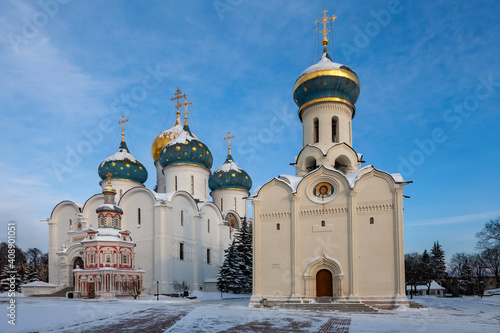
{"points": [[326, 81], [186, 148], [230, 176], [122, 165]]}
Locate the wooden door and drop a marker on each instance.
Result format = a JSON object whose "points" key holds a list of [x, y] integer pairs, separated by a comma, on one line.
{"points": [[91, 290], [324, 284]]}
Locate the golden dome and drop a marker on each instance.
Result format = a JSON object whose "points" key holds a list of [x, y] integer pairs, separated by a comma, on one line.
{"points": [[165, 137]]}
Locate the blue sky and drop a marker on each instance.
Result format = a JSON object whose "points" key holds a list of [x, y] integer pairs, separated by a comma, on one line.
{"points": [[429, 105]]}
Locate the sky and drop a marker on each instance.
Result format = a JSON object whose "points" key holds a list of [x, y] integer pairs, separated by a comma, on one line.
{"points": [[429, 105]]}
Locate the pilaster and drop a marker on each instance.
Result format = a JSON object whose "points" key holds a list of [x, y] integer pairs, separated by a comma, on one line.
{"points": [[352, 245]]}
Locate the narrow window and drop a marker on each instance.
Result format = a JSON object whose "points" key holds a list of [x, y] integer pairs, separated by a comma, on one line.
{"points": [[70, 223], [316, 130], [182, 218], [277, 226], [121, 192], [175, 183], [192, 184], [323, 224], [208, 225], [205, 187], [334, 130], [91, 258], [181, 251], [350, 132], [221, 204], [372, 220], [208, 256], [234, 204], [138, 216], [108, 258], [124, 259]]}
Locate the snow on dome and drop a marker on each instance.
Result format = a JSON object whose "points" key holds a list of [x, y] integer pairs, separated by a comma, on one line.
{"points": [[119, 156], [227, 166], [183, 137], [324, 63]]}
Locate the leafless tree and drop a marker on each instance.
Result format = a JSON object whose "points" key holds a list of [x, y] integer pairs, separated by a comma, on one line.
{"points": [[132, 287]]}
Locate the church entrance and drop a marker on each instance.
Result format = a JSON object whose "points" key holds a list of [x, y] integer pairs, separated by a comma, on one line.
{"points": [[324, 283], [91, 290], [77, 262]]}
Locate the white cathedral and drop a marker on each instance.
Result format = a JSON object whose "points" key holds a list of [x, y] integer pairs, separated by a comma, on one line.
{"points": [[179, 234]]}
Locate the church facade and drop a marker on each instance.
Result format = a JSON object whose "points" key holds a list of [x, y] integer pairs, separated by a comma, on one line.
{"points": [[179, 233], [334, 230]]}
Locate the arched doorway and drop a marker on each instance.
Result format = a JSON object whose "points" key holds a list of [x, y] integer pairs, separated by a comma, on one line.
{"points": [[77, 262], [324, 283]]}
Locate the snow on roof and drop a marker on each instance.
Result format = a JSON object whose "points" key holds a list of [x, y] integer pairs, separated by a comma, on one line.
{"points": [[434, 286], [324, 63], [228, 165], [164, 196], [79, 205], [293, 181], [256, 191], [397, 177], [109, 206], [354, 176], [181, 138], [38, 284], [119, 156]]}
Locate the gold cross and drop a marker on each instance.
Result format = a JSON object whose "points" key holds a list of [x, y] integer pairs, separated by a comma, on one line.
{"points": [[186, 112], [123, 126], [229, 137], [109, 178], [178, 96], [325, 31]]}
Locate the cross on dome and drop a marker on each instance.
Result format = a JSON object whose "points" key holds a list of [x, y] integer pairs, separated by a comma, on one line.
{"points": [[178, 95], [109, 178], [228, 138], [186, 112], [325, 31], [123, 126]]}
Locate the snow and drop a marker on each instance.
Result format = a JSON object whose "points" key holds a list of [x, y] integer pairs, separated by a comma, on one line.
{"points": [[109, 207], [434, 286], [163, 196], [120, 156], [170, 133], [256, 191], [209, 313], [324, 63], [492, 291], [38, 284], [181, 138], [293, 181], [397, 177], [227, 166], [354, 176]]}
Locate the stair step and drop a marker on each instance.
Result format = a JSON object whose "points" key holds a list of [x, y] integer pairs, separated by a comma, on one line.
{"points": [[342, 307]]}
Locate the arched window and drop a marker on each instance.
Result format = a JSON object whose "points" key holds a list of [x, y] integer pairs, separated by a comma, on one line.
{"points": [[175, 183], [221, 204], [208, 256], [372, 220], [316, 130], [277, 226], [334, 129], [181, 251], [234, 204], [138, 217], [182, 218], [323, 223], [208, 225], [192, 184]]}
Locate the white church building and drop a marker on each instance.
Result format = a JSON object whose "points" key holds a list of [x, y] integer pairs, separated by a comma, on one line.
{"points": [[180, 229], [333, 231]]}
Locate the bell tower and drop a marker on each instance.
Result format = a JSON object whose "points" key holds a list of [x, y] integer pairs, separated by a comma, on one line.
{"points": [[325, 94]]}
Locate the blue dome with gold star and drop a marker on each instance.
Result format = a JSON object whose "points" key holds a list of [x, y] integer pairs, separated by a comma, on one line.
{"points": [[326, 81], [230, 176], [122, 165], [186, 149]]}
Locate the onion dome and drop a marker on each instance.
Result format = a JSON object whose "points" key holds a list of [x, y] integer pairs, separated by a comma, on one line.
{"points": [[326, 81], [122, 165], [230, 176], [165, 137], [186, 149]]}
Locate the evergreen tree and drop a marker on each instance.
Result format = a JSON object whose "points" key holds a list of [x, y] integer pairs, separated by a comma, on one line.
{"points": [[30, 274], [5, 278], [466, 282], [426, 270], [438, 264], [244, 250], [230, 274]]}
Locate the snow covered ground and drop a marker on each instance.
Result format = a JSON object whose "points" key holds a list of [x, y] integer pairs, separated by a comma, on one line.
{"points": [[208, 313]]}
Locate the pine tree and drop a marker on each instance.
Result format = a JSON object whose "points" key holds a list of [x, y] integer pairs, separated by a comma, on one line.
{"points": [[244, 250], [466, 281], [5, 278], [230, 274], [426, 270], [438, 263], [30, 274]]}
